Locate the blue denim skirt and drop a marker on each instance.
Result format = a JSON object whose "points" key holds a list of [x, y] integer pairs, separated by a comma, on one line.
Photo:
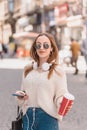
{"points": [[37, 119]]}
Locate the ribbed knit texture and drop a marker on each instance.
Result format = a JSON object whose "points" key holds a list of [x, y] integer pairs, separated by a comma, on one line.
{"points": [[44, 93]]}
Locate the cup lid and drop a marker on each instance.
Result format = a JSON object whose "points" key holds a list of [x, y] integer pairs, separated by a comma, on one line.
{"points": [[69, 96]]}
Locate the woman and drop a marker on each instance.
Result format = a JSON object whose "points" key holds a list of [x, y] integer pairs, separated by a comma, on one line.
{"points": [[44, 83]]}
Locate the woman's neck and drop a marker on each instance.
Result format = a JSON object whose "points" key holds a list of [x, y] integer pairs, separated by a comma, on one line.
{"points": [[43, 60]]}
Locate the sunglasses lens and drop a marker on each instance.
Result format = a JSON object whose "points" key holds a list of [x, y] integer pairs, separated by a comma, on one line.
{"points": [[37, 46], [46, 46]]}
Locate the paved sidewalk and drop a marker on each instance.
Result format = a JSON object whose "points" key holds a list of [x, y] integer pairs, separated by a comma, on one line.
{"points": [[20, 63], [13, 63], [10, 81], [76, 119]]}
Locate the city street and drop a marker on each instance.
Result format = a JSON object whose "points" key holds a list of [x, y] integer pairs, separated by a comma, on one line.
{"points": [[20, 23], [10, 81]]}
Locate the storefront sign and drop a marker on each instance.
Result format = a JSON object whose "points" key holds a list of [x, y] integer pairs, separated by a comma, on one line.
{"points": [[62, 9]]}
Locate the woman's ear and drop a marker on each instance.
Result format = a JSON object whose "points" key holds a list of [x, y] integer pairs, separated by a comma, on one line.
{"points": [[51, 49]]}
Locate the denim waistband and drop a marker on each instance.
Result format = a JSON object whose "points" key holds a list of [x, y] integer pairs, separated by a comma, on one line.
{"points": [[37, 116], [36, 109]]}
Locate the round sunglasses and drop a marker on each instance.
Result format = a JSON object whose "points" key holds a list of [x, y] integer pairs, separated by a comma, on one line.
{"points": [[45, 46]]}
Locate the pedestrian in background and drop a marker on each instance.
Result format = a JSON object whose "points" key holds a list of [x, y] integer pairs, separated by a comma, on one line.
{"points": [[84, 51], [12, 46], [44, 83], [75, 49], [1, 50]]}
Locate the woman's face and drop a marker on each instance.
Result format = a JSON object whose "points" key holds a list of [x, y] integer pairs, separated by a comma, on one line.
{"points": [[43, 47]]}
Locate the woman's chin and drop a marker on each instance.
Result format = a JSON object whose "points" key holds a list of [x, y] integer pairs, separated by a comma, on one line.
{"points": [[43, 56]]}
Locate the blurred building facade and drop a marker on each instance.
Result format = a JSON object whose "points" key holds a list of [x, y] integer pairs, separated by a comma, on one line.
{"points": [[63, 18]]}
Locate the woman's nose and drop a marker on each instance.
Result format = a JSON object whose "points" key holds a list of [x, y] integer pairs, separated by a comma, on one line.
{"points": [[42, 47]]}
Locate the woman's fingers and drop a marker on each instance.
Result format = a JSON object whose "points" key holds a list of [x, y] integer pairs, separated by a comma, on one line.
{"points": [[23, 95]]}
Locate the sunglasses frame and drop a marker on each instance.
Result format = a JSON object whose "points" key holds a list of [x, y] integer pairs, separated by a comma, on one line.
{"points": [[45, 46]]}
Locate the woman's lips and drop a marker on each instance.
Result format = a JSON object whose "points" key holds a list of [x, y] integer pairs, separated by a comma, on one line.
{"points": [[41, 52]]}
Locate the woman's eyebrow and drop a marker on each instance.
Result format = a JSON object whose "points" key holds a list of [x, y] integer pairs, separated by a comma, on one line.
{"points": [[38, 42], [42, 42]]}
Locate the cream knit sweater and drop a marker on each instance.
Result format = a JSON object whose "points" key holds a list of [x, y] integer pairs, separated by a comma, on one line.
{"points": [[44, 93]]}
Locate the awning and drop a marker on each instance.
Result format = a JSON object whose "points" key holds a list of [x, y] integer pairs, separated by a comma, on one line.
{"points": [[25, 35]]}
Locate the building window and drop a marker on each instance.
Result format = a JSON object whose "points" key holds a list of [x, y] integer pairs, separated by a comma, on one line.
{"points": [[11, 5]]}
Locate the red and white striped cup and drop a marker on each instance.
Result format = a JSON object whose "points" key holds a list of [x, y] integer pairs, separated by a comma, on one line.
{"points": [[66, 103]]}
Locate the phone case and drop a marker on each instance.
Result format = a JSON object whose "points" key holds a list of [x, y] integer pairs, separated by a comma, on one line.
{"points": [[15, 94]]}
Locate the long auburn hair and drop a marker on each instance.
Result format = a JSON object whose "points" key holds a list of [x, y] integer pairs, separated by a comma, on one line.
{"points": [[53, 55]]}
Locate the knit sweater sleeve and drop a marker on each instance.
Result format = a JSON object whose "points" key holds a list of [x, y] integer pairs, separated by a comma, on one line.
{"points": [[23, 76], [27, 67], [60, 86], [21, 102]]}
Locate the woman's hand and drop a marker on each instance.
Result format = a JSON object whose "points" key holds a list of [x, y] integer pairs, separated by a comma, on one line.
{"points": [[25, 97], [68, 108], [22, 95]]}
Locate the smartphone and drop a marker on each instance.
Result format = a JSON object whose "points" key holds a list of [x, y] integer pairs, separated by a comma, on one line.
{"points": [[19, 95]]}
